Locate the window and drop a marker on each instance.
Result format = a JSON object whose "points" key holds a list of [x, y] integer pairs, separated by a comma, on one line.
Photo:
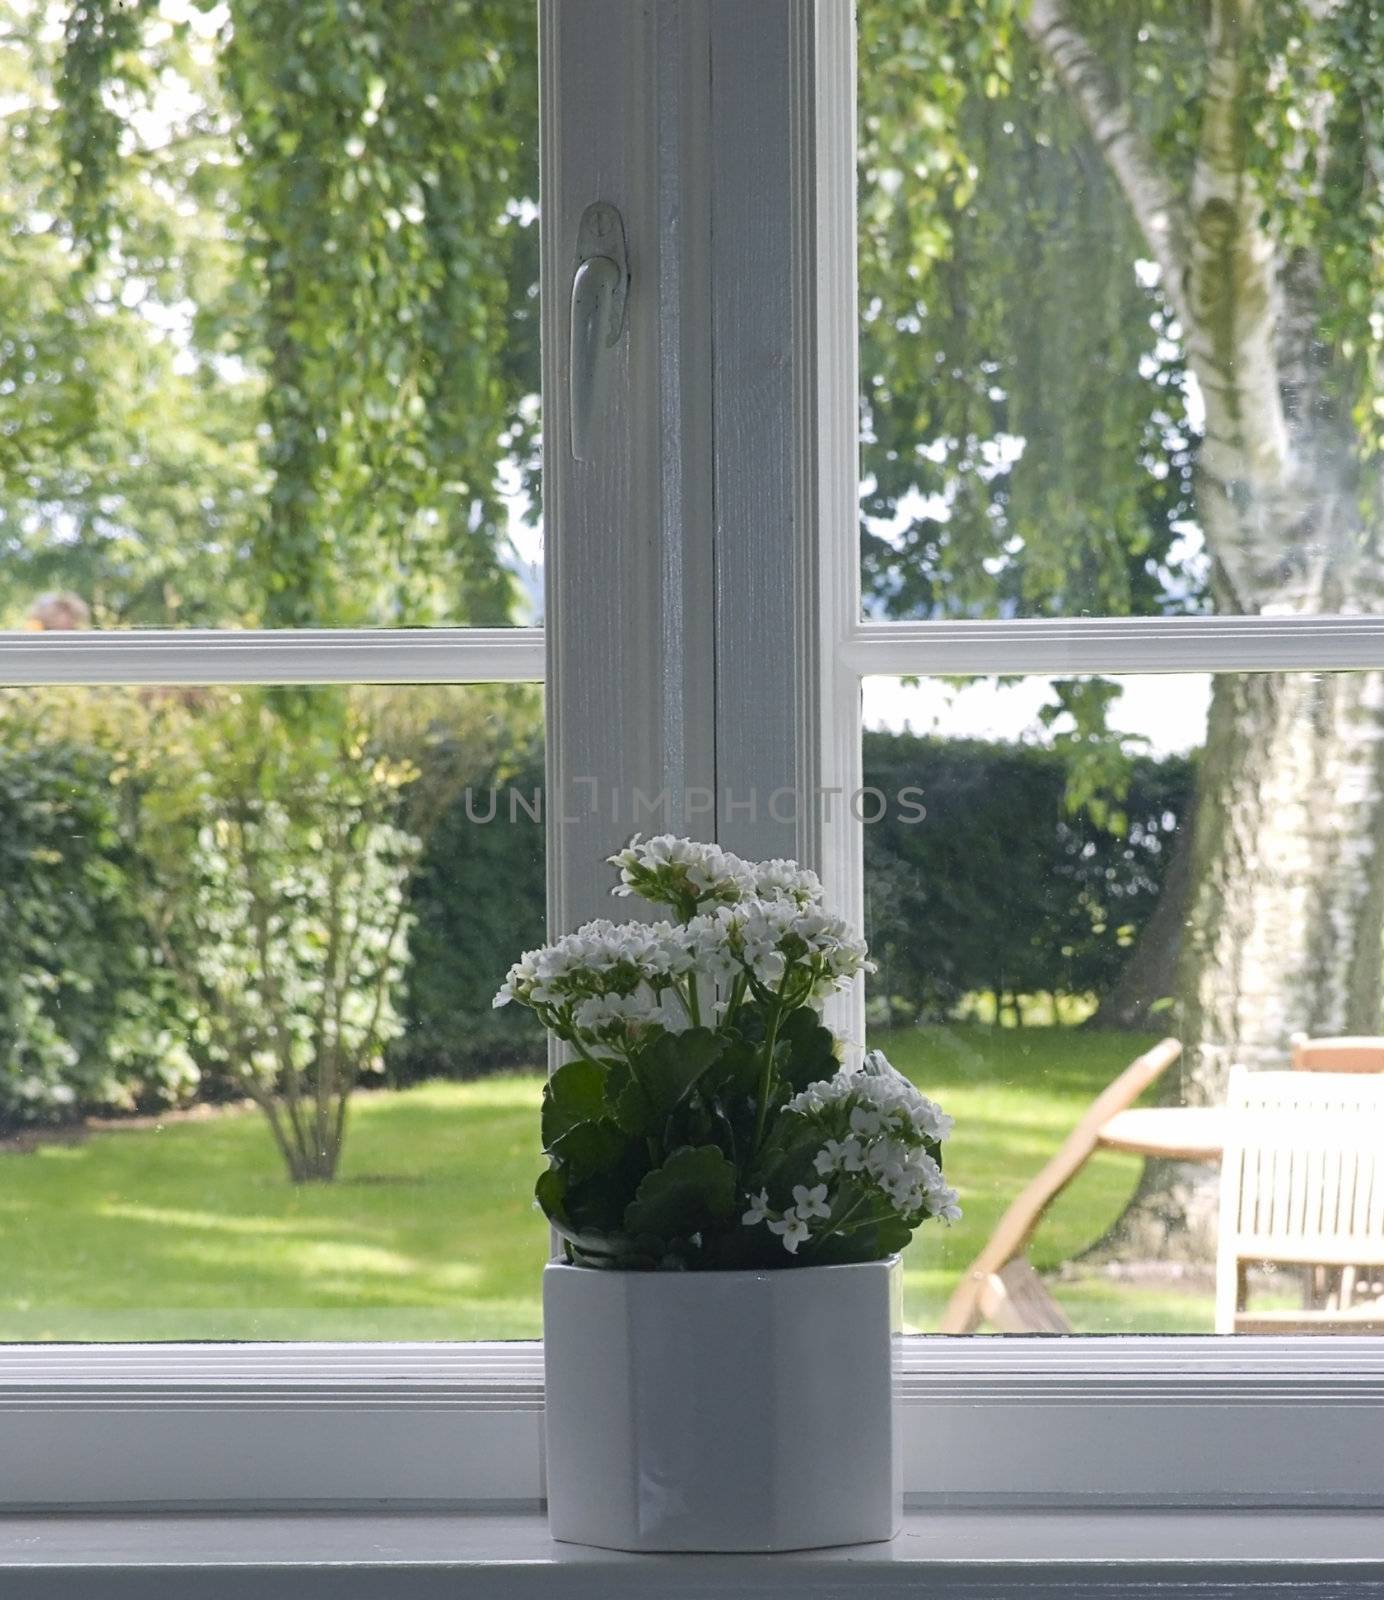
{"points": [[272, 401], [1116, 365], [704, 637]]}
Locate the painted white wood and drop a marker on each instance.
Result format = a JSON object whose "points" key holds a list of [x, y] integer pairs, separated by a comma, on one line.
{"points": [[785, 381], [999, 1556], [1118, 644], [1135, 1421], [624, 103], [315, 655]]}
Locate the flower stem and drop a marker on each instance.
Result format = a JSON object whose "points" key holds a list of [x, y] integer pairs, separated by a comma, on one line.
{"points": [[766, 1070], [839, 1226]]}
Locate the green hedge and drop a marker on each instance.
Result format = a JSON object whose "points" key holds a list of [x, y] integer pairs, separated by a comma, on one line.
{"points": [[87, 1015], [479, 899], [1002, 888]]}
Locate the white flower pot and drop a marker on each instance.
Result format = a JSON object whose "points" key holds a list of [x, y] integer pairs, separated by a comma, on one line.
{"points": [[722, 1410]]}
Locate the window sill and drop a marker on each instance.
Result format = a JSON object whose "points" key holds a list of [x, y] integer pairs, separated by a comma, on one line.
{"points": [[997, 1554]]}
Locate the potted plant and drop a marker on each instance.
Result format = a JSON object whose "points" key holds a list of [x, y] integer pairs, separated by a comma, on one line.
{"points": [[731, 1200]]}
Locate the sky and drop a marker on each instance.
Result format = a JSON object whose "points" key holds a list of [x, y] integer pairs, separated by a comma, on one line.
{"points": [[1166, 709]]}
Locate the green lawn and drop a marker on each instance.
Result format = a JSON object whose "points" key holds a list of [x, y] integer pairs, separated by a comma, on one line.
{"points": [[190, 1231]]}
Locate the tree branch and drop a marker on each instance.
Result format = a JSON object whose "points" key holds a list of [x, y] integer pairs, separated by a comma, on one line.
{"points": [[1110, 119]]}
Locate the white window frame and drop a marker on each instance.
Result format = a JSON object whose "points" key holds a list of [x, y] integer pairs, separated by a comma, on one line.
{"points": [[708, 636]]}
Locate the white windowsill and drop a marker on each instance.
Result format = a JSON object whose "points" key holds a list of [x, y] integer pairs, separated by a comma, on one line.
{"points": [[941, 1552]]}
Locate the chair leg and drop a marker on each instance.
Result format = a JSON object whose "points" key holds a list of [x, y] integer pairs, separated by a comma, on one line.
{"points": [[1347, 1298]]}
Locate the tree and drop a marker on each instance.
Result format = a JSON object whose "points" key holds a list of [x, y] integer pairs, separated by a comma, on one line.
{"points": [[280, 900], [1223, 161], [345, 195]]}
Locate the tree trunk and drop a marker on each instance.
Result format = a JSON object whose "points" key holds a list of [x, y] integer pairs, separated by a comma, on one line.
{"points": [[1285, 922], [1141, 995], [1283, 930]]}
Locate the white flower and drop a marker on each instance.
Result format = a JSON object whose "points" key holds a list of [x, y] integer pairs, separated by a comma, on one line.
{"points": [[792, 1229], [767, 937], [600, 957], [603, 1012], [810, 1202], [759, 1209], [840, 1155], [666, 867], [868, 1124], [786, 880]]}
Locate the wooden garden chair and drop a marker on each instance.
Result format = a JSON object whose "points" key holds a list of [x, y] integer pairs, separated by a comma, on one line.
{"points": [[1302, 1184], [1000, 1287], [1359, 1054]]}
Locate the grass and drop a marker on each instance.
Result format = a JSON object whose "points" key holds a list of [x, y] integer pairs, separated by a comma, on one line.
{"points": [[191, 1231]]}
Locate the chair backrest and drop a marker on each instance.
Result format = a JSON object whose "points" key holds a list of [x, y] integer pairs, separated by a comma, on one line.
{"points": [[1019, 1222], [1303, 1174], [1358, 1054]]}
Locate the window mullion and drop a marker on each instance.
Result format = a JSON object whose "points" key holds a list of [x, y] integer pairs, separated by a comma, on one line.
{"points": [[625, 120], [784, 313]]}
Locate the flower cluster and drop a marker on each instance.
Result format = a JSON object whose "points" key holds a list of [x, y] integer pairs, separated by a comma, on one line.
{"points": [[688, 875], [874, 1158], [777, 944], [794, 1225], [601, 957], [673, 1131], [611, 982]]}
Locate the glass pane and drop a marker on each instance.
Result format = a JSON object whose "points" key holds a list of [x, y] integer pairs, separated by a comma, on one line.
{"points": [[1060, 875], [251, 1083], [1121, 330], [269, 296]]}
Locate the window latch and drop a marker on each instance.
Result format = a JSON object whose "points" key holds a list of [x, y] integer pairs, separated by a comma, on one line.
{"points": [[600, 286]]}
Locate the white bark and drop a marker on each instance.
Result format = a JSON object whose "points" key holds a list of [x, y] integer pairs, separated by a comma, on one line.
{"points": [[1160, 215], [1285, 925]]}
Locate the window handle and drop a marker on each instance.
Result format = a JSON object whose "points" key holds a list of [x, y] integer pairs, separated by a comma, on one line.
{"points": [[600, 285]]}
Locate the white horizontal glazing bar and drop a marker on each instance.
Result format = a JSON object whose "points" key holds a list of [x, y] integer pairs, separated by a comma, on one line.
{"points": [[1114, 645], [320, 655]]}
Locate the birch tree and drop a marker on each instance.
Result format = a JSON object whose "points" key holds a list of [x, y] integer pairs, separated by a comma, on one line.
{"points": [[1238, 147]]}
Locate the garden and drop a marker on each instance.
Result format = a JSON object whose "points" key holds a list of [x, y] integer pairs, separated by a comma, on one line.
{"points": [[186, 1228], [268, 286]]}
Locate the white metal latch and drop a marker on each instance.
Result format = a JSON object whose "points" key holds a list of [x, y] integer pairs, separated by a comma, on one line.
{"points": [[600, 285]]}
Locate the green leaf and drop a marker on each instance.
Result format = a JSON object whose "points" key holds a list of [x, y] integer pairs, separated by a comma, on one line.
{"points": [[588, 1148], [806, 1051], [575, 1093], [692, 1190], [551, 1193], [664, 1073]]}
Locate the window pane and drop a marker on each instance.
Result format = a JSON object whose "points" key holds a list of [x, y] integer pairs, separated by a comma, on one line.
{"points": [[251, 1082], [1121, 326], [1059, 875], [269, 297]]}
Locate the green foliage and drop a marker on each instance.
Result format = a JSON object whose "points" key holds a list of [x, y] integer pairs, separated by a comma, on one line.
{"points": [[87, 1015], [1003, 887], [127, 451], [692, 1191], [386, 174], [268, 285], [480, 892], [283, 908], [1025, 449]]}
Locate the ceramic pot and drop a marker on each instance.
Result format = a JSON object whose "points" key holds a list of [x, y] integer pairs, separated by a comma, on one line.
{"points": [[722, 1410]]}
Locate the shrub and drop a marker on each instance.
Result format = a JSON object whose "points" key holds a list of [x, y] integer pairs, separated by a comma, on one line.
{"points": [[88, 1017]]}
